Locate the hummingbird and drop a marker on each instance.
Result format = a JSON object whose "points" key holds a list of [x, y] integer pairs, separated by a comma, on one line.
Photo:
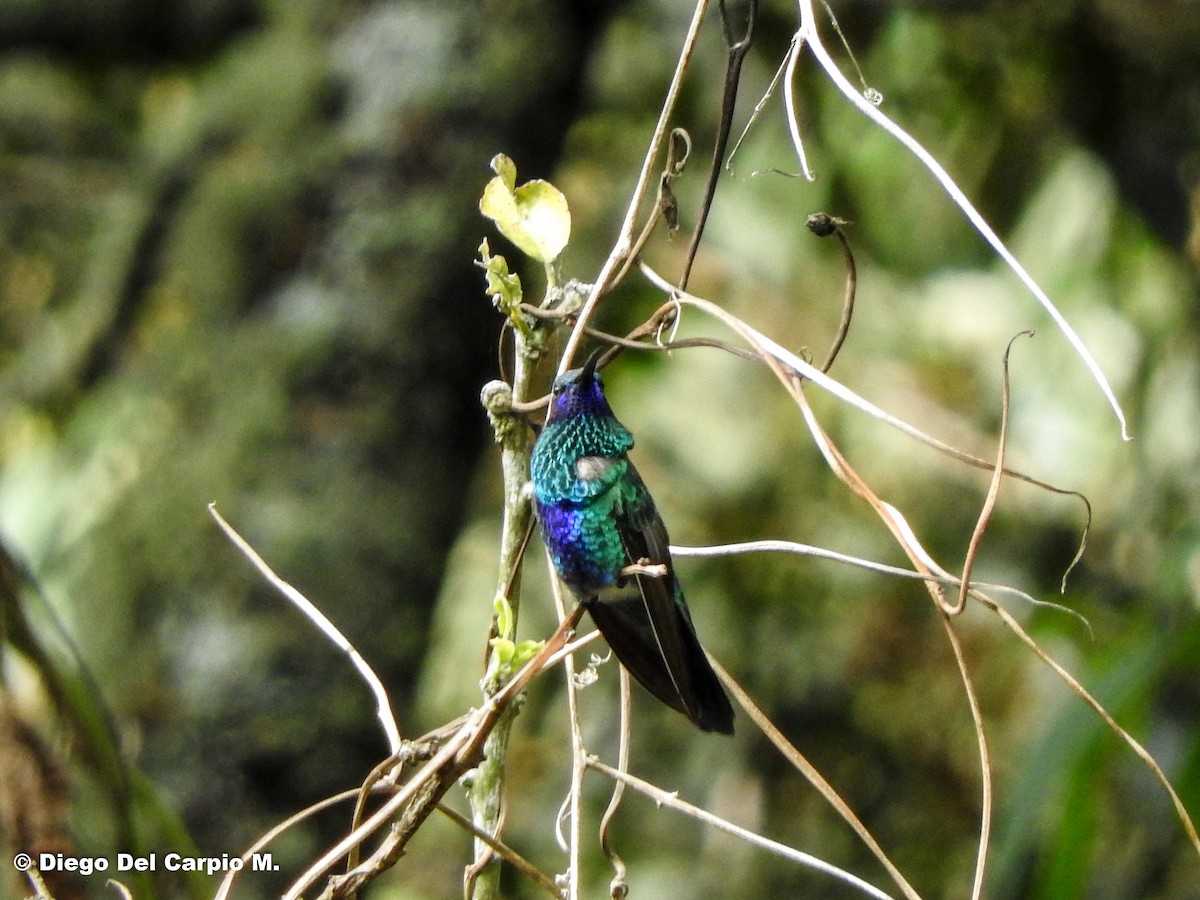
{"points": [[610, 548]]}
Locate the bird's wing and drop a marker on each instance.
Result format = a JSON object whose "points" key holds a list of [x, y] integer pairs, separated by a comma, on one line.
{"points": [[651, 631]]}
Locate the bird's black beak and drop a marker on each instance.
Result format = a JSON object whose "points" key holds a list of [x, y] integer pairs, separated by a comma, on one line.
{"points": [[589, 367]]}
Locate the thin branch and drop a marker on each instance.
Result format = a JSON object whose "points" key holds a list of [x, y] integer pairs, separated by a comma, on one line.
{"points": [[618, 886], [1141, 752], [903, 532], [823, 225], [870, 93], [671, 800], [374, 778], [808, 32], [789, 368], [985, 765], [772, 354], [276, 830], [34, 877], [501, 849], [631, 342], [387, 772], [573, 647], [989, 503], [383, 707], [887, 513], [789, 102], [758, 108], [777, 546], [736, 49], [813, 775], [574, 800], [921, 560], [620, 250], [649, 569], [417, 799], [679, 147]]}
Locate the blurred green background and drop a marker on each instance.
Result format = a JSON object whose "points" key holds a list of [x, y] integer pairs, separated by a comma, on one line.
{"points": [[236, 244]]}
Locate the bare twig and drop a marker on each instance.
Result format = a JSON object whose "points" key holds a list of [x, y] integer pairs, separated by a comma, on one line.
{"points": [[813, 775], [789, 102], [777, 546], [34, 877], [645, 567], [679, 147], [276, 830], [808, 33], [985, 765], [618, 886], [621, 249], [823, 225], [383, 706], [989, 503], [1080, 691], [507, 853], [784, 363], [672, 801], [736, 49], [574, 801], [417, 799]]}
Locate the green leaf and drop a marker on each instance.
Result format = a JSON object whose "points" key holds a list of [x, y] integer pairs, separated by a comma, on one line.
{"points": [[533, 216], [507, 656], [506, 169], [525, 651], [503, 286], [504, 617], [503, 651]]}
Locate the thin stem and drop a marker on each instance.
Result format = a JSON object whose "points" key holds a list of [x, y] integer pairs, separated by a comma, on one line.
{"points": [[383, 708], [823, 225], [574, 801], [776, 546], [416, 800], [275, 831], [486, 791], [772, 354], [789, 101], [989, 503], [672, 801], [1080, 691], [620, 251], [985, 765], [813, 775], [520, 863], [618, 885], [808, 32], [736, 50]]}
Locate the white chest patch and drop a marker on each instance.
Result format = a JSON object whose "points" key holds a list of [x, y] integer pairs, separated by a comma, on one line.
{"points": [[589, 468]]}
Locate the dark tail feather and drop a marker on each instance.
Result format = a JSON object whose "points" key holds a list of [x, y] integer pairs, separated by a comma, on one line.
{"points": [[689, 686]]}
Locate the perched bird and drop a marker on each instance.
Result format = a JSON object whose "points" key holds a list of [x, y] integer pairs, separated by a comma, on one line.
{"points": [[598, 520]]}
